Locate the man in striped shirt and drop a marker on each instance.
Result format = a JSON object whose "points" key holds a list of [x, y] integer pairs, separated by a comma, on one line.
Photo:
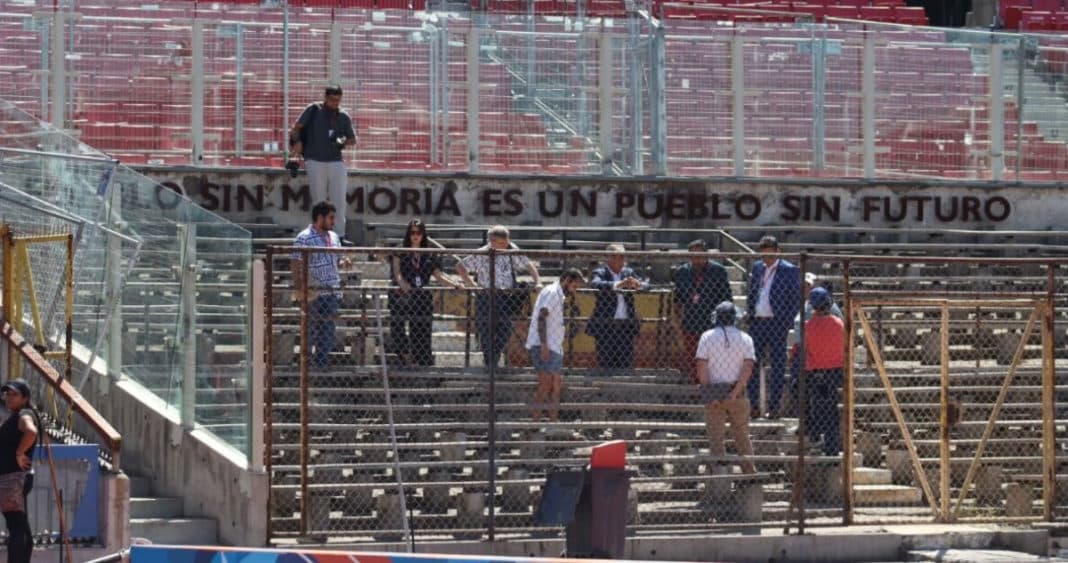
{"points": [[323, 282]]}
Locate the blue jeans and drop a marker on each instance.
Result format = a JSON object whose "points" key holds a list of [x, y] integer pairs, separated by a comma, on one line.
{"points": [[321, 313], [769, 335]]}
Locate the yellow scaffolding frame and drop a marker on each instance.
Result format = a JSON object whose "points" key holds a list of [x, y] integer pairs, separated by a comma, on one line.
{"points": [[18, 280]]}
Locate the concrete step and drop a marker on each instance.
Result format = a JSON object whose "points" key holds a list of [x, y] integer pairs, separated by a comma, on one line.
{"points": [[176, 531], [876, 495], [975, 556], [140, 486], [451, 341], [871, 476], [155, 507]]}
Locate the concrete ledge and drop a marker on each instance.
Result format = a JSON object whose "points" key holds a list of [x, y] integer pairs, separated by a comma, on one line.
{"points": [[852, 544]]}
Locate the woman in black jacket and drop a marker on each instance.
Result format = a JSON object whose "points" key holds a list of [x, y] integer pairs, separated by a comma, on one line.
{"points": [[411, 306], [18, 438]]}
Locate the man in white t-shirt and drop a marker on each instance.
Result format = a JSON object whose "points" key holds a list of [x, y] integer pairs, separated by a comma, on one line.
{"points": [[545, 341], [725, 359]]}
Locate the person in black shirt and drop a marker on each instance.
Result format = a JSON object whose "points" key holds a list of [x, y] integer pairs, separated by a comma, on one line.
{"points": [[411, 307], [18, 439]]}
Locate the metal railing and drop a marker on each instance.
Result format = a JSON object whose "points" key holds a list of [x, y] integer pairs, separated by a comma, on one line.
{"points": [[539, 94]]}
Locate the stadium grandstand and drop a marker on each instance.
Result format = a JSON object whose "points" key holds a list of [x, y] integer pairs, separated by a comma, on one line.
{"points": [[551, 206]]}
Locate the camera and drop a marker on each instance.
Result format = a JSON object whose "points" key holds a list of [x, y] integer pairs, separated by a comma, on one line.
{"points": [[293, 166]]}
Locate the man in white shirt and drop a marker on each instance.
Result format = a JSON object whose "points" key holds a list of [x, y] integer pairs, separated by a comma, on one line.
{"points": [[493, 337], [545, 341], [724, 364]]}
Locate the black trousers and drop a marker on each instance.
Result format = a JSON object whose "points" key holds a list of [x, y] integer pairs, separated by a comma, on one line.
{"points": [[19, 535], [615, 344]]}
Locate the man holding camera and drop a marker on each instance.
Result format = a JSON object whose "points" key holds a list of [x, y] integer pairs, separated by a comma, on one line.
{"points": [[320, 134]]}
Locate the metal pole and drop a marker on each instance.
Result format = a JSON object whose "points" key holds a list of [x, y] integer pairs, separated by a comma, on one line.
{"points": [[435, 91], [819, 75], [285, 77], [868, 104], [268, 375], [256, 451], [943, 489], [239, 93], [42, 27], [531, 51], [491, 331], [738, 103], [802, 390], [848, 390], [659, 101], [997, 114], [472, 98], [305, 505], [392, 427], [335, 52], [114, 294], [1021, 61], [637, 166], [606, 95], [59, 69], [1049, 398], [189, 325], [196, 127], [443, 77]]}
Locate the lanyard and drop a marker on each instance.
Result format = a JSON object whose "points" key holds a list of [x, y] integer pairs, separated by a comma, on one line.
{"points": [[768, 273]]}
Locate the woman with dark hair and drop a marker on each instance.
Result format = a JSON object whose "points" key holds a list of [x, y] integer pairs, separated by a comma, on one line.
{"points": [[18, 438], [411, 306]]}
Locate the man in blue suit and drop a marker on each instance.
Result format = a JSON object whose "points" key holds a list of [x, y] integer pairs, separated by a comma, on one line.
{"points": [[614, 322], [774, 300]]}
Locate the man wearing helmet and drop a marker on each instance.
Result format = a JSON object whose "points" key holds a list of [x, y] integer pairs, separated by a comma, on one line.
{"points": [[824, 353], [725, 359]]}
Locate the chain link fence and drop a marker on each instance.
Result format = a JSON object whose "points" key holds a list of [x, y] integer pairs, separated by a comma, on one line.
{"points": [[427, 392]]}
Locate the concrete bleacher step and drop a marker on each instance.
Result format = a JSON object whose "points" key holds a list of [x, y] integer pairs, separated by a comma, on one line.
{"points": [[160, 519], [883, 495], [975, 556], [175, 531], [140, 486], [872, 476], [155, 507]]}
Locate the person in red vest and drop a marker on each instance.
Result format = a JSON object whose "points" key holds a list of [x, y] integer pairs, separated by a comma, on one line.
{"points": [[824, 354]]}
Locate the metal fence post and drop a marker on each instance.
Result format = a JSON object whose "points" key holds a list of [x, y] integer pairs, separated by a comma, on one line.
{"points": [[59, 58], [1021, 61], [868, 104], [738, 103], [606, 95], [196, 104], [492, 320], [819, 86], [434, 84], [189, 324], [239, 90], [258, 372], [472, 98], [285, 77], [335, 52], [997, 113], [114, 291], [659, 101], [42, 27], [635, 85]]}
